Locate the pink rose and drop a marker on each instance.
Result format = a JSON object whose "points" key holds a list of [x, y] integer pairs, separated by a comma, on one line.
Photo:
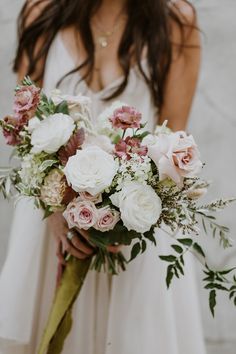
{"points": [[81, 214], [92, 198], [126, 117], [26, 99], [130, 146], [176, 156], [107, 219]]}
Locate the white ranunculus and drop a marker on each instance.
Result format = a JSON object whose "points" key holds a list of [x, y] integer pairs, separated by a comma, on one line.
{"points": [[52, 133], [139, 205], [90, 170]]}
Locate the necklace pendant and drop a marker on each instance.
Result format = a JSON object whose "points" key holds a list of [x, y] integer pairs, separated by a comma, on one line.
{"points": [[103, 42]]}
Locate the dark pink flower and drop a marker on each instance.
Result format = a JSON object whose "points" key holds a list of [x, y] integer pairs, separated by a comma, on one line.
{"points": [[130, 146], [26, 100], [11, 129], [126, 117]]}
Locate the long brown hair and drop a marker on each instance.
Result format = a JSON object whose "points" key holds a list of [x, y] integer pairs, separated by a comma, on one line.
{"points": [[148, 26]]}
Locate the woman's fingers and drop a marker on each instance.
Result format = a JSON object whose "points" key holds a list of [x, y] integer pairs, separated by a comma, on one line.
{"points": [[59, 253], [70, 249], [81, 246], [114, 249]]}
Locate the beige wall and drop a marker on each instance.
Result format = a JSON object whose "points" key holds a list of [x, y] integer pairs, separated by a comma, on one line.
{"points": [[213, 122]]}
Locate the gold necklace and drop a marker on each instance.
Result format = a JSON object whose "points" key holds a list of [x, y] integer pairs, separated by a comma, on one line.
{"points": [[104, 38]]}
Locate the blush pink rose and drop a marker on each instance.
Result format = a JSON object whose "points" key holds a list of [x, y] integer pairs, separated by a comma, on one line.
{"points": [[130, 146], [92, 198], [81, 214], [126, 117], [107, 219], [26, 99], [176, 156]]}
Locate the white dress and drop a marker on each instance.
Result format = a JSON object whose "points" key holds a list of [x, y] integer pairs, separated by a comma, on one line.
{"points": [[133, 313]]}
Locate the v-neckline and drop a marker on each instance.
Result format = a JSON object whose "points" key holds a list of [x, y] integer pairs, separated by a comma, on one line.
{"points": [[109, 86]]}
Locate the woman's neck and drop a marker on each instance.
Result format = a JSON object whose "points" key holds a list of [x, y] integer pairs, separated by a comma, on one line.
{"points": [[110, 9]]}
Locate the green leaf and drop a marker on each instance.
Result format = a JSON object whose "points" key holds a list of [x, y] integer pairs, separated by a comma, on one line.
{"points": [[204, 225], [118, 235], [116, 139], [135, 251], [169, 275], [62, 108], [178, 265], [169, 258], [182, 260], [142, 135], [199, 249], [177, 248], [216, 286], [212, 301], [144, 246], [150, 236], [46, 164], [227, 271], [186, 241]]}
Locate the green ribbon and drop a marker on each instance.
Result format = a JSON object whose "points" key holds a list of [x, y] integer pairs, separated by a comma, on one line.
{"points": [[60, 320]]}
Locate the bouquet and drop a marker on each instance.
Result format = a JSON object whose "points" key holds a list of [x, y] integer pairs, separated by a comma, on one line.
{"points": [[115, 179]]}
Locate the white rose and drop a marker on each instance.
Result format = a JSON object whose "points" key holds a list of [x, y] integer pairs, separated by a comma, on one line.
{"points": [[90, 170], [139, 205], [52, 133]]}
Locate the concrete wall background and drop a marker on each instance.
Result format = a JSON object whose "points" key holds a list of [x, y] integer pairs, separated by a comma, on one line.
{"points": [[213, 123]]}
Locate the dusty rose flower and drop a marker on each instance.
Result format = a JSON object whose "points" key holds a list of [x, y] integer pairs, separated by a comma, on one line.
{"points": [[93, 198], [107, 219], [11, 136], [12, 127], [176, 156], [54, 188], [81, 214], [126, 117], [26, 99], [130, 146]]}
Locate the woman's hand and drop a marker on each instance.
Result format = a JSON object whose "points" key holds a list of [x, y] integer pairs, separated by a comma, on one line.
{"points": [[76, 247], [79, 246]]}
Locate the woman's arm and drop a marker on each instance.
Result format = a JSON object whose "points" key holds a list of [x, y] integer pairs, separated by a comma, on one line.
{"points": [[184, 70]]}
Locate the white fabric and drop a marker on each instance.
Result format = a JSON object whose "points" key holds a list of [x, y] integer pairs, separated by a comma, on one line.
{"points": [[132, 313]]}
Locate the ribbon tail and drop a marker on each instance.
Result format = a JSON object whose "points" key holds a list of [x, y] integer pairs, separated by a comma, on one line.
{"points": [[60, 320]]}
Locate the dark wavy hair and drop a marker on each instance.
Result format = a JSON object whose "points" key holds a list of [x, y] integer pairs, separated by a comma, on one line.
{"points": [[148, 26]]}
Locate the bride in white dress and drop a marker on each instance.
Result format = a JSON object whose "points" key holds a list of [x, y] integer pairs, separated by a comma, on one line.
{"points": [[132, 313]]}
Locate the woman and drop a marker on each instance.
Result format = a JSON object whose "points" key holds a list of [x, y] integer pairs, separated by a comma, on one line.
{"points": [[146, 54]]}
